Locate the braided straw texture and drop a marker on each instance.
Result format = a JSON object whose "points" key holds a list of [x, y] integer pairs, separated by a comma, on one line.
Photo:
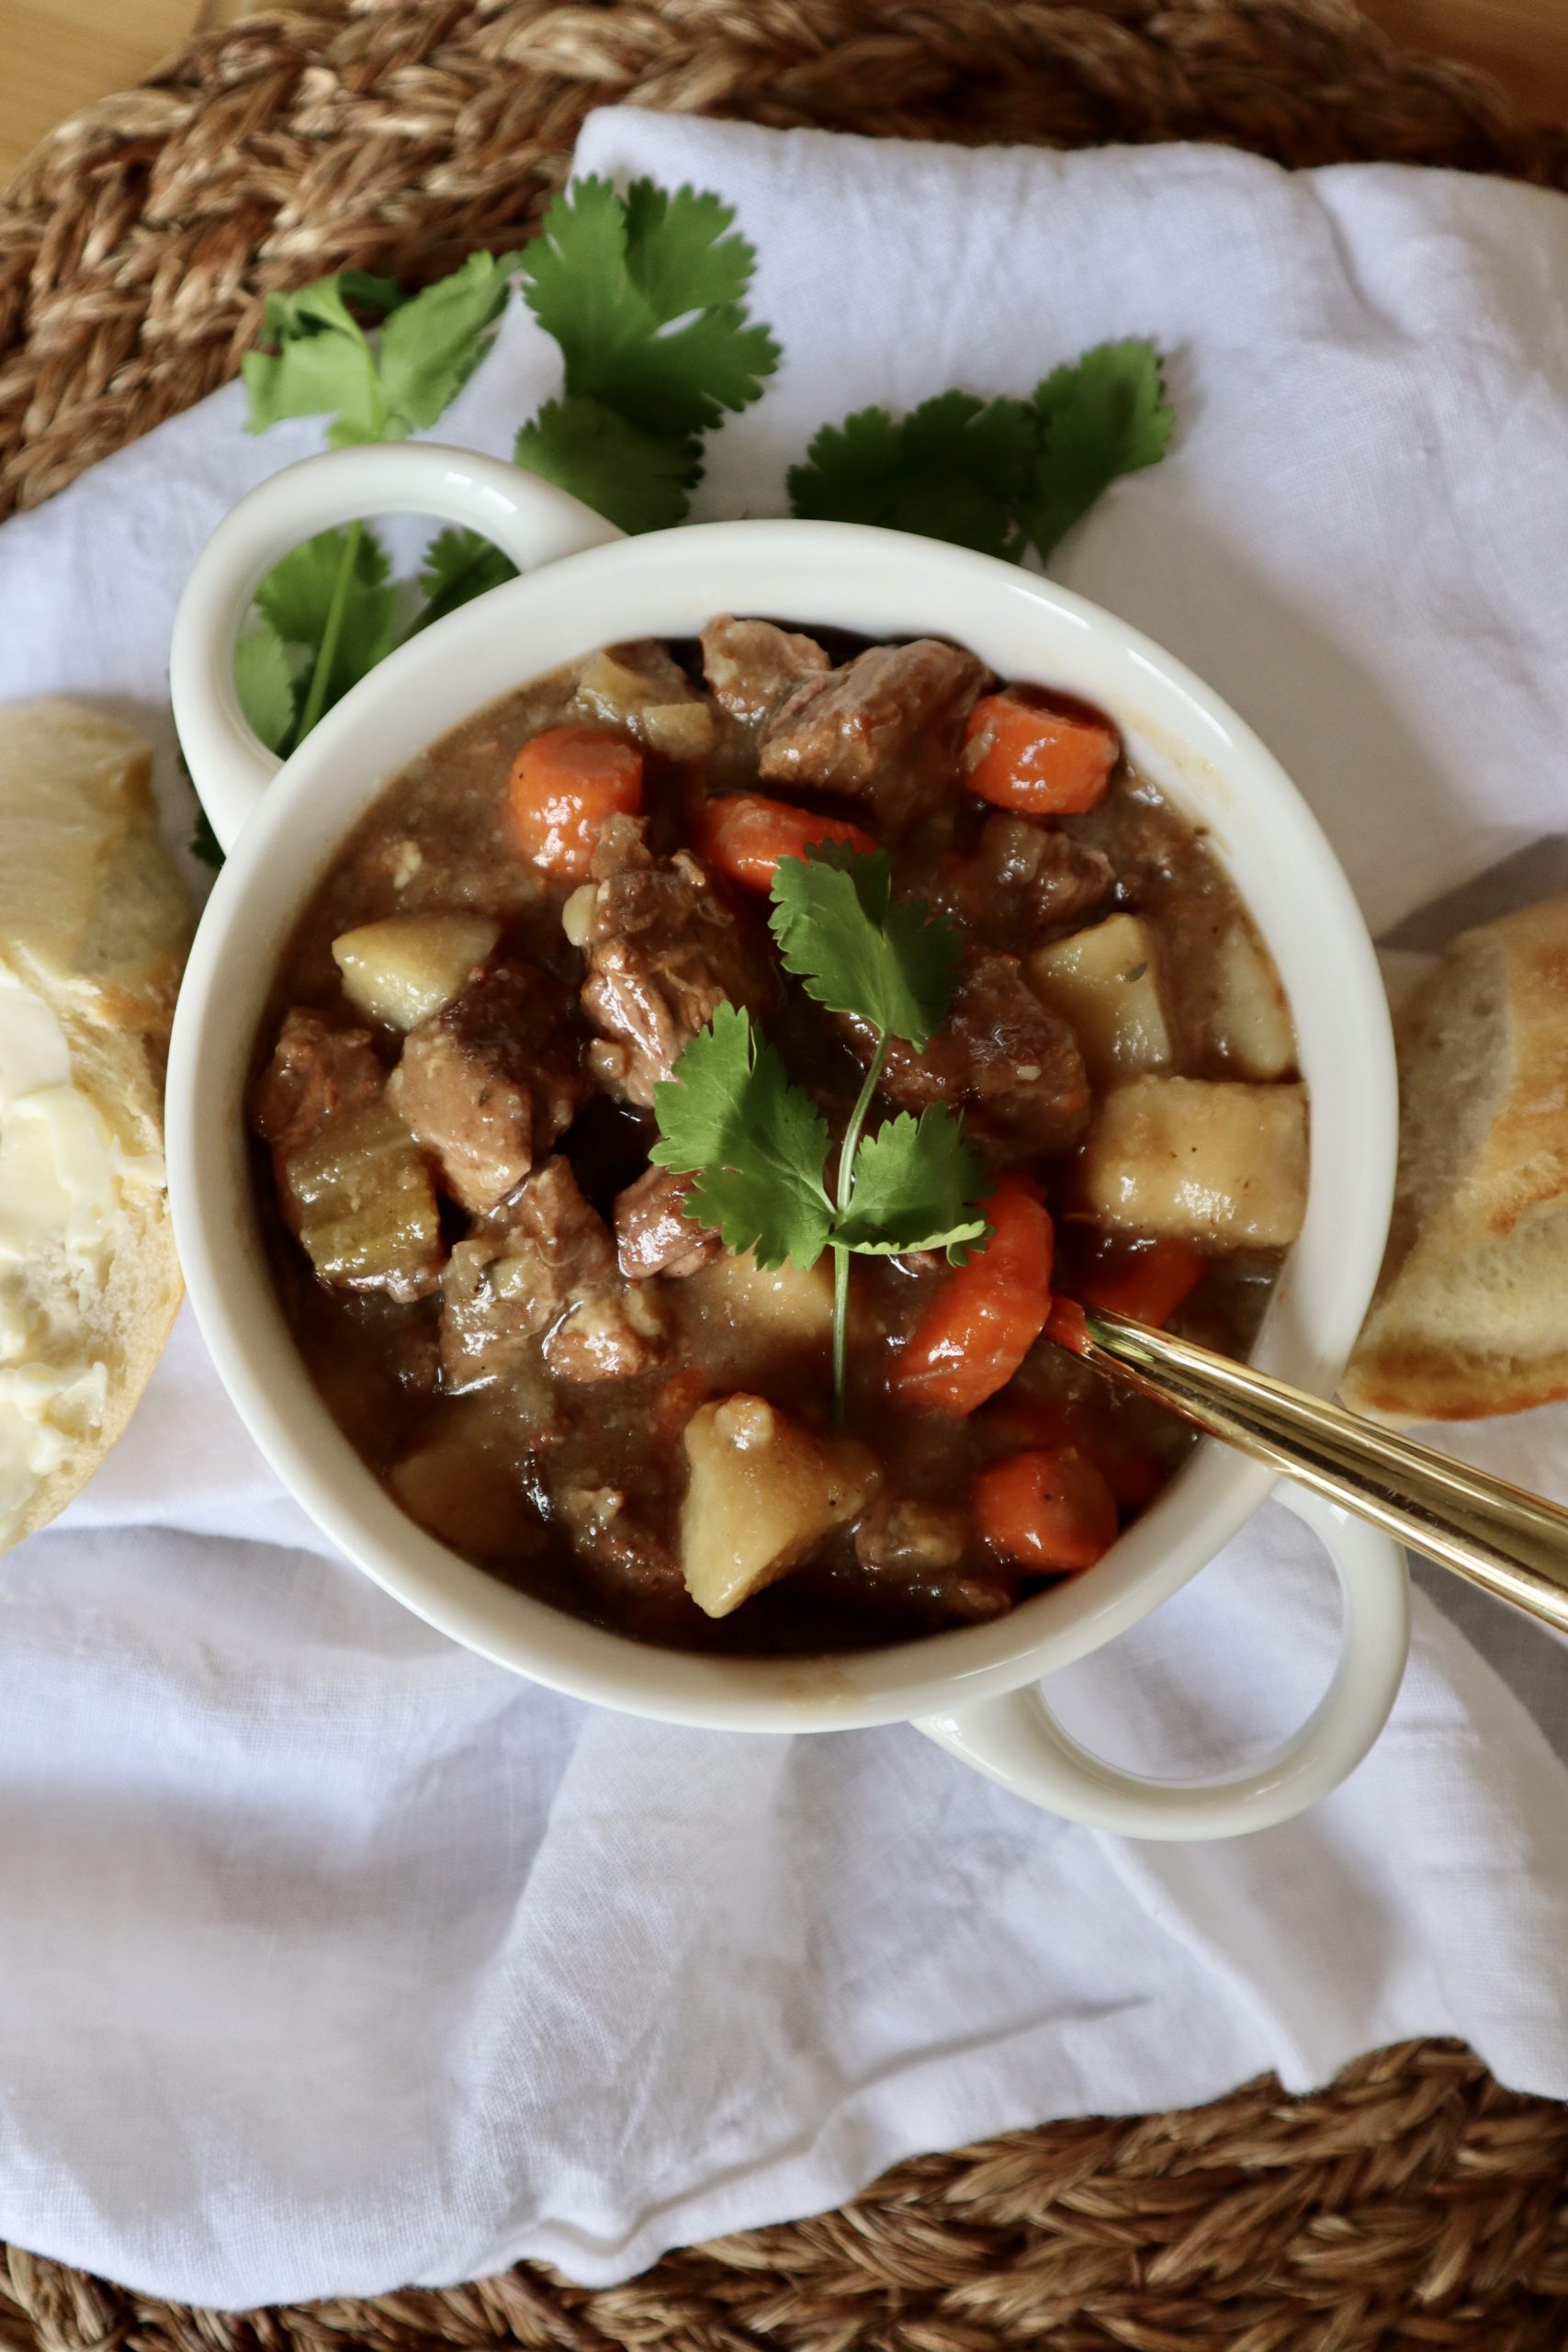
{"points": [[1413, 2204], [137, 243]]}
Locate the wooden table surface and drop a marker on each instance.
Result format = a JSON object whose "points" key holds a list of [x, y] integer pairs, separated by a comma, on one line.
{"points": [[56, 55]]}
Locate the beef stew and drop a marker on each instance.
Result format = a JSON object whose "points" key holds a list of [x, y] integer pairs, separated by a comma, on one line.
{"points": [[506, 1305]]}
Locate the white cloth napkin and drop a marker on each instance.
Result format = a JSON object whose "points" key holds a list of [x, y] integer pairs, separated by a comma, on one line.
{"points": [[333, 1957]]}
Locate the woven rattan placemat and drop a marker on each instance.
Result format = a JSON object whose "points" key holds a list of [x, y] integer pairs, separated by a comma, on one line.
{"points": [[1413, 2203]]}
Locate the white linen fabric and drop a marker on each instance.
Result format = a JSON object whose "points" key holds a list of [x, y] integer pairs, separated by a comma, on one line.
{"points": [[332, 1957]]}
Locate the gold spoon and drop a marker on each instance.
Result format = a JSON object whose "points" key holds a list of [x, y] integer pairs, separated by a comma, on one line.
{"points": [[1496, 1535]]}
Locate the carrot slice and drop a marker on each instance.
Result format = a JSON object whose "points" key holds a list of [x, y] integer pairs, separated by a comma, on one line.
{"points": [[1040, 758], [1147, 1279], [746, 836], [1028, 1423], [988, 1314], [1065, 1324], [1049, 1509], [565, 784]]}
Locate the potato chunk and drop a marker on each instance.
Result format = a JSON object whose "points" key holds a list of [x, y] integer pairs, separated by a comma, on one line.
{"points": [[1220, 1164], [405, 968], [1249, 1026], [677, 730], [364, 1206], [1105, 984], [761, 1492], [778, 1305], [652, 697]]}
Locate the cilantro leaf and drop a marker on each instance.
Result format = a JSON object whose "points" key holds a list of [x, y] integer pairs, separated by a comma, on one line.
{"points": [[298, 596], [838, 929], [432, 343], [639, 480], [677, 251], [916, 1186], [457, 567], [265, 684], [318, 360], [993, 474], [644, 299], [955, 468], [204, 842], [730, 1117], [1099, 416]]}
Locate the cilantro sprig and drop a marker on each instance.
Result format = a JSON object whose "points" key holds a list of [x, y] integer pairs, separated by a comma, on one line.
{"points": [[328, 613], [758, 1145], [646, 295], [998, 475], [755, 1143]]}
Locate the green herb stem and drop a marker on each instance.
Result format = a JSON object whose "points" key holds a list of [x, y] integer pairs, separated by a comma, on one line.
{"points": [[842, 1256], [326, 653], [450, 596]]}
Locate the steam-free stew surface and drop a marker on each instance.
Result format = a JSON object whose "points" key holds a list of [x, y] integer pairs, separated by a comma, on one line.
{"points": [[504, 1305]]}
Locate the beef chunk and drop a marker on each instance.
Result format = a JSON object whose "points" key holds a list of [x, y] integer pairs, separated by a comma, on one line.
{"points": [[489, 1084], [664, 950], [616, 1545], [751, 666], [545, 1277], [317, 1074], [652, 1236], [1027, 882], [1012, 1066], [885, 727], [621, 847], [912, 1539]]}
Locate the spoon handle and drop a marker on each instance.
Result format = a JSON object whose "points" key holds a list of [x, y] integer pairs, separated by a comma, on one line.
{"points": [[1511, 1543]]}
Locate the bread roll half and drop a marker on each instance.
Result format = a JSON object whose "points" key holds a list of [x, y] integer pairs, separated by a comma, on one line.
{"points": [[94, 928], [1471, 1315]]}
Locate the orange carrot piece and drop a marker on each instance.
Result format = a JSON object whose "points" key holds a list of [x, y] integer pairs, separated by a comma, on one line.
{"points": [[1065, 1324], [1049, 1509], [565, 784], [746, 836], [1028, 1423], [988, 1314], [1147, 1279], [1038, 758]]}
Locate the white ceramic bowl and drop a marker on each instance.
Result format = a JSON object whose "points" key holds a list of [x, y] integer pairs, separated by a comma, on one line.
{"points": [[583, 585]]}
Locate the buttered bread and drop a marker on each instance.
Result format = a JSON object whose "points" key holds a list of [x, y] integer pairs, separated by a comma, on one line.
{"points": [[94, 927]]}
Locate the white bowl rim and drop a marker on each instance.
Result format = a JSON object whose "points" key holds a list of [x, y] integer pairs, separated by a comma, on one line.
{"points": [[1193, 744]]}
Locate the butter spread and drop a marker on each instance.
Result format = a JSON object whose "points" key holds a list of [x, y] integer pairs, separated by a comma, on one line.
{"points": [[64, 1179]]}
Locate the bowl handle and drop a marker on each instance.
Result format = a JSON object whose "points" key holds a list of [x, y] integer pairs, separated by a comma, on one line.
{"points": [[1016, 1740], [529, 520]]}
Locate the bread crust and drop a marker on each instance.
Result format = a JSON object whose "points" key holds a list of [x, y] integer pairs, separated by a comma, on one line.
{"points": [[1471, 1314], [94, 922]]}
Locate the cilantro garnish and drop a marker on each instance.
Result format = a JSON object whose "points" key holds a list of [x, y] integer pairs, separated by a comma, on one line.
{"points": [[265, 684], [892, 965], [644, 293], [955, 468], [317, 360], [996, 475], [1099, 416], [757, 1144], [916, 1186], [329, 602], [458, 566], [640, 481]]}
